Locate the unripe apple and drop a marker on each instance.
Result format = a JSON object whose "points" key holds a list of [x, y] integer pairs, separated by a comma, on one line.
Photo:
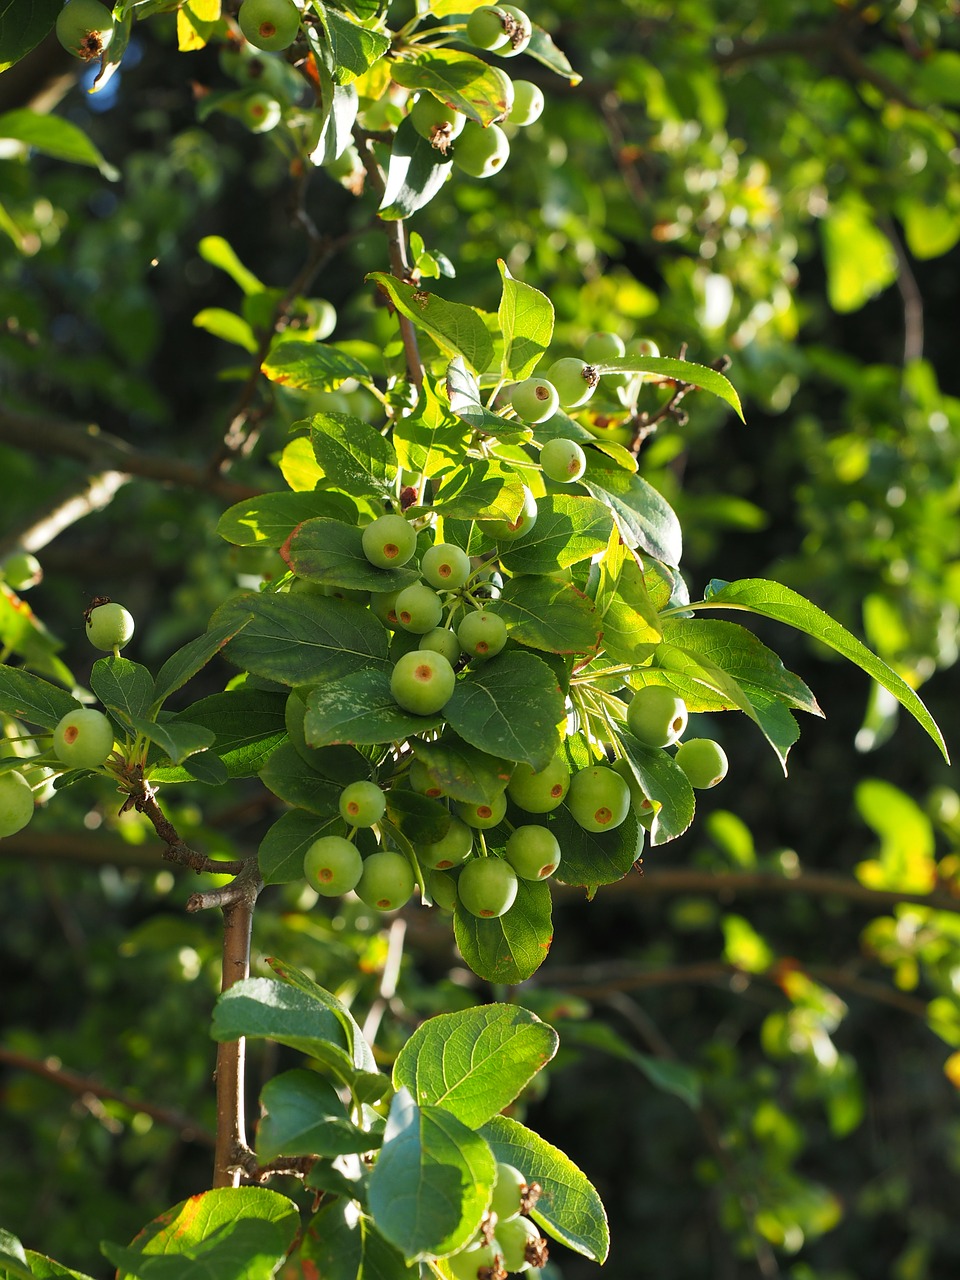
{"points": [[109, 626], [510, 530], [83, 739], [528, 103], [269, 24], [442, 640], [389, 541], [16, 803], [703, 761], [21, 571], [508, 1192], [332, 866], [436, 121], [539, 792], [521, 1245], [575, 381], [535, 400], [422, 682], [563, 460], [484, 814], [362, 804], [479, 151], [533, 852], [657, 715], [445, 566], [85, 28], [387, 881], [487, 887], [482, 634], [599, 799], [450, 850], [418, 608]]}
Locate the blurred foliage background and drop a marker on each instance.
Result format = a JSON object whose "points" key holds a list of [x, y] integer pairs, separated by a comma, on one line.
{"points": [[761, 1054]]}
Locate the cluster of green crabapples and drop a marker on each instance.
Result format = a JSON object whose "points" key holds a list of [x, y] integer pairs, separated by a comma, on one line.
{"points": [[82, 739], [507, 1241]]}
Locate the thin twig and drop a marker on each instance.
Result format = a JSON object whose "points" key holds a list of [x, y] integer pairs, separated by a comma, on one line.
{"points": [[92, 493], [142, 797], [910, 295]]}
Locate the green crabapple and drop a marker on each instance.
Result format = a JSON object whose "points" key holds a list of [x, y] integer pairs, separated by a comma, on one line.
{"points": [[476, 1262], [362, 804], [450, 850], [535, 400], [510, 530], [528, 103], [533, 852], [487, 28], [389, 541], [575, 381], [563, 460], [508, 1191], [481, 152], [109, 626], [85, 28], [657, 715], [260, 112], [539, 792], [521, 1245], [445, 565], [387, 880], [435, 121], [383, 606], [599, 799], [332, 866], [444, 641], [703, 761], [269, 24], [21, 571], [600, 347], [422, 780], [487, 887], [418, 608], [482, 634], [422, 682], [485, 814], [519, 32], [642, 805], [83, 738], [16, 803]]}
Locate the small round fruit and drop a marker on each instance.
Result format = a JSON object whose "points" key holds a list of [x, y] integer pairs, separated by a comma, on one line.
{"points": [[332, 866], [642, 347], [16, 803], [260, 112], [519, 32], [444, 641], [510, 530], [109, 627], [600, 347], [422, 781], [533, 852], [269, 24], [422, 682], [387, 880], [83, 739], [435, 121], [528, 103], [389, 541], [575, 381], [657, 716], [487, 28], [418, 608], [85, 28], [383, 605], [484, 815], [642, 806], [703, 761], [362, 804], [508, 1191], [539, 792], [563, 460], [482, 634], [445, 565], [599, 799], [479, 151], [21, 571], [521, 1245], [535, 400], [476, 1262], [487, 887], [450, 850]]}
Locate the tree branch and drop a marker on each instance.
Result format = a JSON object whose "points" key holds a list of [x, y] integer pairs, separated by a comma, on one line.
{"points": [[93, 493]]}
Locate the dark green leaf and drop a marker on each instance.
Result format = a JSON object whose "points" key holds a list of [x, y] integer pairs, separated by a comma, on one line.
{"points": [[697, 375], [354, 48], [510, 706], [177, 739], [248, 724], [208, 768], [354, 457], [511, 947], [456, 329], [569, 1207], [302, 1115], [568, 529], [555, 616], [361, 1053], [49, 134], [123, 687], [476, 1061], [311, 366], [343, 1245], [542, 48], [23, 24], [461, 80], [672, 1077], [463, 772], [463, 392], [360, 709], [420, 819], [592, 858], [416, 172], [27, 697], [526, 322], [331, 552], [287, 774]]}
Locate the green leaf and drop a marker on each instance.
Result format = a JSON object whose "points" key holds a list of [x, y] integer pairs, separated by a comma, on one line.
{"points": [[354, 49], [665, 783], [430, 440], [303, 1115], [234, 1233], [456, 329], [463, 772], [249, 726], [27, 697], [432, 1181], [631, 625], [22, 632], [268, 520], [228, 326], [288, 775], [569, 1207], [511, 947], [312, 366], [354, 457], [526, 321], [771, 600], [415, 173], [555, 616], [860, 260], [420, 819], [645, 519], [23, 24], [299, 639], [474, 1062], [542, 48], [461, 80], [43, 1268], [361, 1053], [592, 858], [219, 253], [178, 739], [463, 393], [697, 375], [282, 849], [510, 706], [208, 768], [669, 1076], [331, 553], [13, 1259], [344, 1245], [568, 529], [50, 134], [480, 491], [358, 709], [124, 687], [187, 661]]}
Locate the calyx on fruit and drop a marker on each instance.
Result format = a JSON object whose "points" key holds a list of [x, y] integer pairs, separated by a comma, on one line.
{"points": [[85, 28]]}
